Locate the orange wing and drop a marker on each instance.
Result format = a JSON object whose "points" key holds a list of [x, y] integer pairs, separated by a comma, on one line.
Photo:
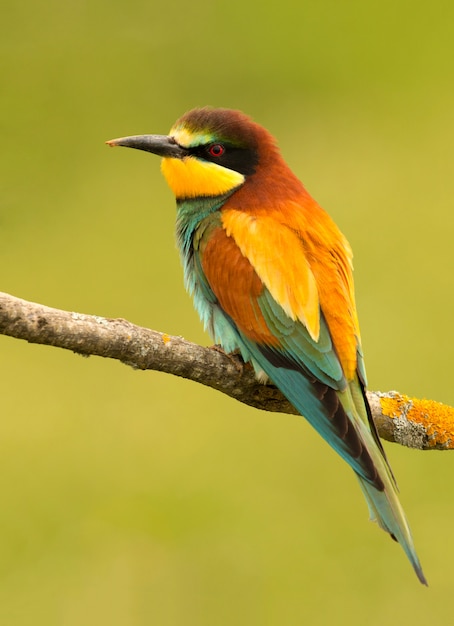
{"points": [[304, 261]]}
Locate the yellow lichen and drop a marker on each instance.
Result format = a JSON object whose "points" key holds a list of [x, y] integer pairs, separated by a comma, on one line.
{"points": [[437, 419]]}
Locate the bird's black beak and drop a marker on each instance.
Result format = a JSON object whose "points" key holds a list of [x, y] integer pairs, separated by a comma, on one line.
{"points": [[162, 145]]}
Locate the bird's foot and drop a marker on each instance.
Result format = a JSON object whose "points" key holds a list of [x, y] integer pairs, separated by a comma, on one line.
{"points": [[234, 356]]}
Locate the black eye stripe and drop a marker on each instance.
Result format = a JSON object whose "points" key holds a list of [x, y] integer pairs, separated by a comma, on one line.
{"points": [[241, 159]]}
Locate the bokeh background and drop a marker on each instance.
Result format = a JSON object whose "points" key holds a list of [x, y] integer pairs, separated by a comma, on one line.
{"points": [[131, 498]]}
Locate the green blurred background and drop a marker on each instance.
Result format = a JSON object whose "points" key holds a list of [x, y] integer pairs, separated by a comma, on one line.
{"points": [[133, 498]]}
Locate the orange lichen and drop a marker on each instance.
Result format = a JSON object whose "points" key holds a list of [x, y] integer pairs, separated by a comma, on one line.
{"points": [[165, 338], [437, 419]]}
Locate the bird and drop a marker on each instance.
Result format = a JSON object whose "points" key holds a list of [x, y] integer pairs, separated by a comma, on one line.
{"points": [[271, 277]]}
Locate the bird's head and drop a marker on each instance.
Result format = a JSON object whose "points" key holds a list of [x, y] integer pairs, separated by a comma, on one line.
{"points": [[208, 152]]}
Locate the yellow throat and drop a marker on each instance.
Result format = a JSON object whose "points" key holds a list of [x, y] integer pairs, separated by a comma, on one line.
{"points": [[192, 177]]}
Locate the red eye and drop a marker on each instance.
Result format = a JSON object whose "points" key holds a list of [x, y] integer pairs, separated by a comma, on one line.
{"points": [[216, 149]]}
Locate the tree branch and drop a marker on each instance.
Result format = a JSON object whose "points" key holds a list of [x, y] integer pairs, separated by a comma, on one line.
{"points": [[421, 424]]}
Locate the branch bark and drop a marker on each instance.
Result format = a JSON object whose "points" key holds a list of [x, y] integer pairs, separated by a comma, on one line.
{"points": [[421, 424]]}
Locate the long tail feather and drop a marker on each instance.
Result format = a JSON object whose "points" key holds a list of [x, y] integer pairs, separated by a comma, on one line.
{"points": [[385, 509], [343, 421]]}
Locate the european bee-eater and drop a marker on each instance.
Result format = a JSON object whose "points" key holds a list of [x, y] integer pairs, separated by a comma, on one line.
{"points": [[271, 276]]}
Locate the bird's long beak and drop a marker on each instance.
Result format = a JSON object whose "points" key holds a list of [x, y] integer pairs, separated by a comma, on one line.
{"points": [[162, 145]]}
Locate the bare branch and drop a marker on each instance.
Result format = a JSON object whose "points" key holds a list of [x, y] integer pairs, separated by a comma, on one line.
{"points": [[421, 424]]}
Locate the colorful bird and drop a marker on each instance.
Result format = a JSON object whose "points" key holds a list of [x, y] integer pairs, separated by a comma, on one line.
{"points": [[271, 276]]}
